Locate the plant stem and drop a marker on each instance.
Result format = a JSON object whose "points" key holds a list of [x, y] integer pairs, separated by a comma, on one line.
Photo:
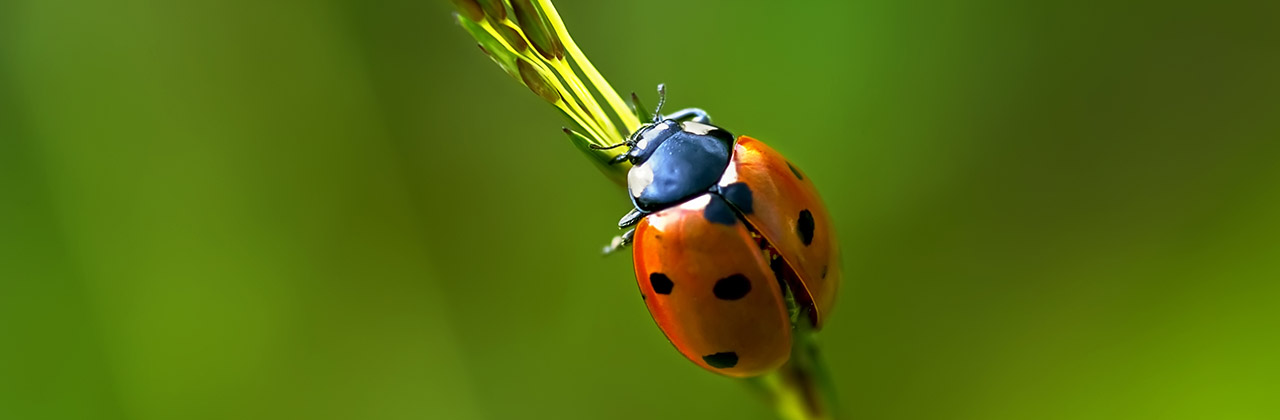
{"points": [[801, 388]]}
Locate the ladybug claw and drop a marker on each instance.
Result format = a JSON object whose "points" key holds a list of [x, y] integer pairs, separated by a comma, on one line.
{"points": [[619, 242]]}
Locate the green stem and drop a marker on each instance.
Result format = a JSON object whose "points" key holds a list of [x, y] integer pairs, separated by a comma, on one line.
{"points": [[801, 388]]}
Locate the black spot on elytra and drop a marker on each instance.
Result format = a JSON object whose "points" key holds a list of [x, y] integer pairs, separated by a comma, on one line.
{"points": [[718, 211], [732, 288], [661, 284], [804, 227], [738, 194], [796, 172], [824, 272], [721, 360]]}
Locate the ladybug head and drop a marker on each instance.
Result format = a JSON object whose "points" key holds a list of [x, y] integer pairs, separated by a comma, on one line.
{"points": [[641, 143]]}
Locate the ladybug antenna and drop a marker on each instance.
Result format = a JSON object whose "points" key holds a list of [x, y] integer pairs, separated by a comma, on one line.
{"points": [[662, 99]]}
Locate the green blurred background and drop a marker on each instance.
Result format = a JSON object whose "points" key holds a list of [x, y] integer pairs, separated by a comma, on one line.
{"points": [[343, 210]]}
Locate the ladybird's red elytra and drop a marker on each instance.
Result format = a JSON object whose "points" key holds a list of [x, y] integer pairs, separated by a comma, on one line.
{"points": [[788, 212], [722, 307]]}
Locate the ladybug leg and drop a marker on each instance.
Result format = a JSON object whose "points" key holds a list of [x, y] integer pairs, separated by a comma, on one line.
{"points": [[619, 242], [579, 137], [612, 146], [630, 219], [692, 114], [616, 159], [620, 158]]}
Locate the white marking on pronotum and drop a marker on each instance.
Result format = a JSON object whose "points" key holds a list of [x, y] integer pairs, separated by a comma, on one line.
{"points": [[730, 175], [662, 221], [652, 133], [647, 137], [638, 178], [697, 127]]}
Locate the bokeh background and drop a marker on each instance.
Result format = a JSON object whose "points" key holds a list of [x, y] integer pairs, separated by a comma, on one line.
{"points": [[342, 210]]}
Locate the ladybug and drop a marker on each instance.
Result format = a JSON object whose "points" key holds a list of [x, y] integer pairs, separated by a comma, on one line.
{"points": [[724, 230]]}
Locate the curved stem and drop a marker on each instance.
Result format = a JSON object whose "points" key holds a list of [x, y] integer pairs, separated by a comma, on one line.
{"points": [[801, 389]]}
